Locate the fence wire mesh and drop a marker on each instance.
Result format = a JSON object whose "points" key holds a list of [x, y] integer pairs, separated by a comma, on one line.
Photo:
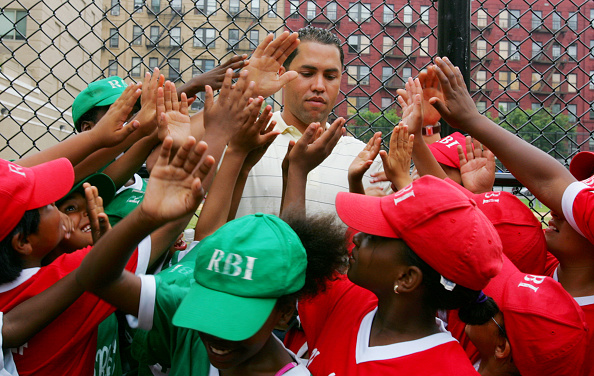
{"points": [[531, 66]]}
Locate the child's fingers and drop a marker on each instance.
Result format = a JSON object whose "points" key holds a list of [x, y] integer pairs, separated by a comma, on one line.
{"points": [[167, 95], [205, 167], [180, 160], [166, 146], [411, 139], [308, 136], [385, 162], [226, 87], [461, 155], [104, 225], [469, 152], [477, 150], [183, 104], [209, 98]]}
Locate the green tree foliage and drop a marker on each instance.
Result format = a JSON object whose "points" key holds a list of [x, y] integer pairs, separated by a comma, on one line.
{"points": [[366, 123]]}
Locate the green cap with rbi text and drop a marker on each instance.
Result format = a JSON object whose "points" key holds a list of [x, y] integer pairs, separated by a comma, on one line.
{"points": [[241, 271], [99, 93]]}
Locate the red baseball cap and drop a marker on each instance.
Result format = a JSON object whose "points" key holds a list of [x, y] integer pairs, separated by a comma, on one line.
{"points": [[445, 150], [520, 232], [23, 189], [545, 326], [439, 223], [582, 165]]}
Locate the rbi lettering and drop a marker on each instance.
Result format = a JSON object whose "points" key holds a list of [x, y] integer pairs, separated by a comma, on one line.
{"points": [[536, 279], [234, 264], [16, 169], [403, 194], [449, 141], [115, 84]]}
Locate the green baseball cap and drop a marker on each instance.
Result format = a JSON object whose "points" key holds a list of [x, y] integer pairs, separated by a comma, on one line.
{"points": [[241, 270], [99, 93], [104, 184]]}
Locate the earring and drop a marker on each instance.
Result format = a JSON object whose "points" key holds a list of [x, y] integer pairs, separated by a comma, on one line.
{"points": [[396, 289]]}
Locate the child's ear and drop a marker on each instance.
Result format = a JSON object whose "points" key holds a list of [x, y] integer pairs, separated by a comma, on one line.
{"points": [[410, 280], [86, 125], [503, 349], [21, 245], [287, 311]]}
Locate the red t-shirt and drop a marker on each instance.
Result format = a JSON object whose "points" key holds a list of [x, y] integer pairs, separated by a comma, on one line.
{"points": [[578, 208], [67, 346], [337, 325]]}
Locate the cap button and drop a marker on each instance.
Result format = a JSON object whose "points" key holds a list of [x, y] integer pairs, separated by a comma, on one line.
{"points": [[259, 214]]}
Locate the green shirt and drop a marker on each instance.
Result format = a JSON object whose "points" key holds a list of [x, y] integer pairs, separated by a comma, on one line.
{"points": [[126, 200], [107, 359]]}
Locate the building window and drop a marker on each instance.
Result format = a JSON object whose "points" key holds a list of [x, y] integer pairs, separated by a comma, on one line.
{"points": [[175, 36], [386, 102], [424, 51], [387, 73], [359, 12], [115, 8], [174, 73], [481, 48], [536, 82], [572, 112], [387, 44], [138, 4], [507, 81], [481, 79], [481, 19], [509, 50], [572, 21], [592, 17], [572, 51], [202, 66], [233, 7], [269, 102], [311, 10], [358, 44], [388, 15], [556, 108], [407, 15], [591, 80], [254, 38], [272, 8], [114, 38], [407, 45], [481, 106], [506, 107], [406, 74], [176, 6], [198, 104], [205, 38], [206, 7], [592, 48], [556, 21], [556, 81], [358, 75], [331, 11], [425, 14], [155, 6], [233, 38], [293, 8], [509, 19], [13, 24], [153, 63], [256, 8], [357, 104], [154, 38], [112, 68], [536, 19], [556, 51], [591, 118], [136, 65], [572, 83], [136, 35], [537, 50]]}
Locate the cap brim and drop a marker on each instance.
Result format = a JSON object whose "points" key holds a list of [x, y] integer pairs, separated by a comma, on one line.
{"points": [[230, 317], [53, 180], [104, 184], [582, 165], [364, 214]]}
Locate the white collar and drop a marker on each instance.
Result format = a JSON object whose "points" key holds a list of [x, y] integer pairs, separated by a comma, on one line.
{"points": [[22, 278]]}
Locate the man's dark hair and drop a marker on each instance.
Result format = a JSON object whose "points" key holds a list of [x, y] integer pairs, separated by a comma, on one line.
{"points": [[11, 261], [317, 35]]}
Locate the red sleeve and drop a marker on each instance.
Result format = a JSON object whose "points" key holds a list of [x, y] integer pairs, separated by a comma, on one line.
{"points": [[578, 208]]}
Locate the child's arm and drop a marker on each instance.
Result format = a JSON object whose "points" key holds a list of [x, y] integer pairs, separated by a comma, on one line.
{"points": [[397, 161], [213, 78], [362, 162], [215, 211], [546, 178], [108, 132], [306, 155], [174, 190], [477, 167]]}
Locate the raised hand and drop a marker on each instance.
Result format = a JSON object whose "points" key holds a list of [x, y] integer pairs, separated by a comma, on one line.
{"points": [[430, 85], [112, 128], [412, 106], [477, 167], [456, 106], [214, 77], [173, 115], [309, 152], [147, 116], [175, 188], [362, 162], [254, 138], [397, 161], [97, 217], [266, 61]]}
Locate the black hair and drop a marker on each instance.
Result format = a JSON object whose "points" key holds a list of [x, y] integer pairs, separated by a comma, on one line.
{"points": [[472, 310], [90, 115], [317, 35], [10, 259], [325, 243]]}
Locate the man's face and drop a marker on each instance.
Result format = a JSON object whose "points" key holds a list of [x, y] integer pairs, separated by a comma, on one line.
{"points": [[311, 96]]}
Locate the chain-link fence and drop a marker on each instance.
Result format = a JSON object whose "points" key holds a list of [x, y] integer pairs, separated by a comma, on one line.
{"points": [[531, 62]]}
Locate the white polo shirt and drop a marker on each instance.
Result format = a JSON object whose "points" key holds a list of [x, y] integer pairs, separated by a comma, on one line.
{"points": [[263, 189]]}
